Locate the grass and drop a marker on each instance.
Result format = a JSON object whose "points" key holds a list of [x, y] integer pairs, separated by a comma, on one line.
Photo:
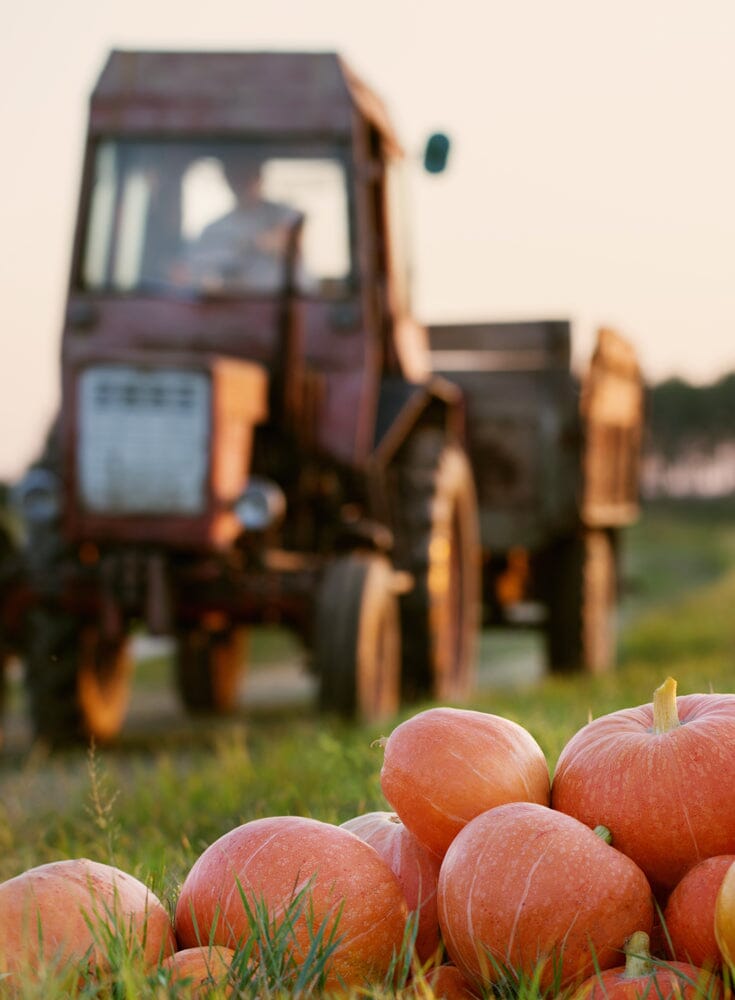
{"points": [[153, 803]]}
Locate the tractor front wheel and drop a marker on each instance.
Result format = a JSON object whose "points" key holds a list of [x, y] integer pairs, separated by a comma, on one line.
{"points": [[209, 669], [357, 638], [78, 681]]}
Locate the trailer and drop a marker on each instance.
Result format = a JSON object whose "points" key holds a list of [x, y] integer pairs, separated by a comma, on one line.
{"points": [[556, 460]]}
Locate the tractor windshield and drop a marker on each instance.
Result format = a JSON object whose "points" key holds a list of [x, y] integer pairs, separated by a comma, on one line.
{"points": [[217, 218]]}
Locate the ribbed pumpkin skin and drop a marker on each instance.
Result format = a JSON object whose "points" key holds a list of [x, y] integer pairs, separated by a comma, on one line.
{"points": [[270, 861], [415, 867], [524, 884], [689, 915], [64, 912], [444, 766], [663, 796]]}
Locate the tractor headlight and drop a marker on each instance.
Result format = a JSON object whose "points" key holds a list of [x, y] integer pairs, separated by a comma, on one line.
{"points": [[261, 505], [37, 497]]}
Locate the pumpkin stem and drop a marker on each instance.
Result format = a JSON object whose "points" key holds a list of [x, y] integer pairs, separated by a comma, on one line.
{"points": [[665, 715], [603, 833], [638, 956]]}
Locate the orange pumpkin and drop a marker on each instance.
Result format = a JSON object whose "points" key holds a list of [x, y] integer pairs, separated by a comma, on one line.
{"points": [[444, 766], [725, 919], [63, 914], [415, 867], [442, 982], [689, 915], [199, 969], [656, 777], [643, 979], [342, 882], [530, 889]]}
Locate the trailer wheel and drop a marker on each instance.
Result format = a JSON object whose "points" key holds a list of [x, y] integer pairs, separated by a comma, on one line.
{"points": [[209, 669], [357, 639], [437, 542], [582, 592], [78, 683]]}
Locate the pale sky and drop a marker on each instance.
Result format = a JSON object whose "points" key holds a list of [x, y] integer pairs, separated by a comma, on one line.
{"points": [[591, 175]]}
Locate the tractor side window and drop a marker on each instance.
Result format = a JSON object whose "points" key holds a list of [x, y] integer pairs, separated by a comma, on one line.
{"points": [[399, 237], [124, 198], [135, 209], [133, 224], [102, 212]]}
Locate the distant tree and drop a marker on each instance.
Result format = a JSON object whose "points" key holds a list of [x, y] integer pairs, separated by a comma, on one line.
{"points": [[723, 407], [682, 418]]}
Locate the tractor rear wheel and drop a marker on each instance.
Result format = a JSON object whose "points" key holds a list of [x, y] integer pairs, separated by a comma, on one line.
{"points": [[78, 682], [582, 593], [209, 669], [437, 542], [357, 639]]}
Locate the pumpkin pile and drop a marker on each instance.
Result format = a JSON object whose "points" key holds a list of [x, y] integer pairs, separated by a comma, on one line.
{"points": [[617, 879]]}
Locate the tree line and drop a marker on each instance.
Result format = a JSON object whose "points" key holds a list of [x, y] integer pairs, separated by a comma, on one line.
{"points": [[682, 418]]}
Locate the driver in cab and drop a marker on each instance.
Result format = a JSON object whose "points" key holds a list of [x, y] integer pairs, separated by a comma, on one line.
{"points": [[253, 247]]}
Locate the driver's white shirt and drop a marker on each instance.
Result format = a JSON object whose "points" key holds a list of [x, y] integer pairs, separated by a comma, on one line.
{"points": [[229, 252]]}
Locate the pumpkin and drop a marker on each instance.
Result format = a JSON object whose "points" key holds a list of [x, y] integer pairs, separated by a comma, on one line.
{"points": [[415, 867], [725, 918], [643, 979], [199, 969], [656, 776], [444, 766], [528, 889], [305, 872], [689, 915], [442, 982], [64, 913]]}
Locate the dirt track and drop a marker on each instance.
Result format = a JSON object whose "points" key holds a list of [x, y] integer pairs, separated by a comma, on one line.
{"points": [[505, 660]]}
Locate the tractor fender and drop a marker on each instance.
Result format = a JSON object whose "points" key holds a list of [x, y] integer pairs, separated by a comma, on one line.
{"points": [[403, 406]]}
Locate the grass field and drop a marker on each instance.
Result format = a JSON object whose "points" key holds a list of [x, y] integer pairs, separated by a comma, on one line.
{"points": [[151, 806]]}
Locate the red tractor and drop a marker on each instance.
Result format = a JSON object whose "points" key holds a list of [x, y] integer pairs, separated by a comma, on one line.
{"points": [[246, 444]]}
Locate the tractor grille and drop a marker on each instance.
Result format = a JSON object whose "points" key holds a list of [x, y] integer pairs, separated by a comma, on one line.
{"points": [[143, 440]]}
